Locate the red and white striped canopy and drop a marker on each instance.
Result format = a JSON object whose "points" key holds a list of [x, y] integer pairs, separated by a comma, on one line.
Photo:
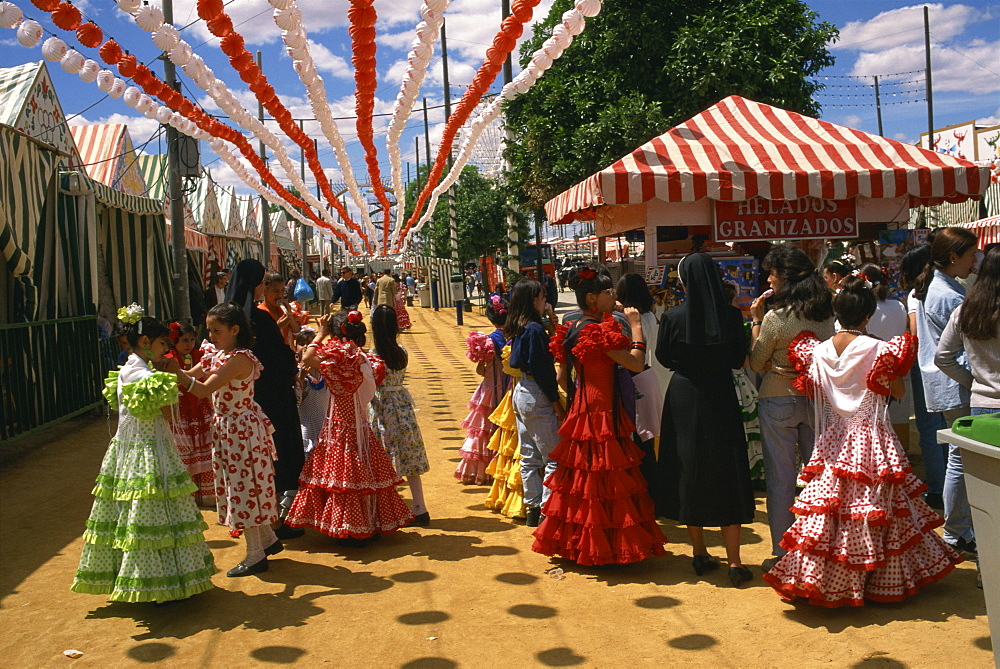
{"points": [[987, 229], [739, 149]]}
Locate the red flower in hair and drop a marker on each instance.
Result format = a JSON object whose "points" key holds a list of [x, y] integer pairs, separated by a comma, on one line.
{"points": [[586, 273], [354, 317], [175, 332]]}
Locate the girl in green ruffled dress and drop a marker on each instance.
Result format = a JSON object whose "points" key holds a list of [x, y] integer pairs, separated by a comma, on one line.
{"points": [[143, 541]]}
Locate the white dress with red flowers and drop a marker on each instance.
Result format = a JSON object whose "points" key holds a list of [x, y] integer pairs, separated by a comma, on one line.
{"points": [[862, 532], [348, 486], [244, 450]]}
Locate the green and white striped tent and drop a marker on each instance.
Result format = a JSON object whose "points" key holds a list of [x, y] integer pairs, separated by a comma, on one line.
{"points": [[229, 211], [205, 206], [29, 104]]}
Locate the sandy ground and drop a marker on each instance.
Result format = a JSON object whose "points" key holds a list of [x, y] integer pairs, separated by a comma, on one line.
{"points": [[466, 591]]}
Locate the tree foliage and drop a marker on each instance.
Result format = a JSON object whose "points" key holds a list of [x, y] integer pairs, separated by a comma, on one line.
{"points": [[479, 212], [643, 66]]}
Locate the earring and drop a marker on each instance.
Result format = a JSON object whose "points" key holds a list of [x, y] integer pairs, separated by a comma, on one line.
{"points": [[148, 352]]}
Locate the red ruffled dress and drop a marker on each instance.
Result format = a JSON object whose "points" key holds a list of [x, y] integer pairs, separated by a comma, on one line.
{"points": [[191, 425], [399, 306], [862, 531], [599, 511], [348, 486], [475, 452]]}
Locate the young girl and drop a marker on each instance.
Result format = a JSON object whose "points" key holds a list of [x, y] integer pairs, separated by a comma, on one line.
{"points": [[191, 423], [537, 406], [863, 532], [484, 350], [144, 540], [347, 489], [506, 495], [391, 411], [314, 397], [244, 450], [399, 304], [599, 511]]}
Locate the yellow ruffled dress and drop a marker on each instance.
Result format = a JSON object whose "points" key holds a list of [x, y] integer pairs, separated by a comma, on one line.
{"points": [[507, 494]]}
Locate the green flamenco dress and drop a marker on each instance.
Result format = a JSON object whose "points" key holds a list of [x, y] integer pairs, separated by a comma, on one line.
{"points": [[143, 541]]}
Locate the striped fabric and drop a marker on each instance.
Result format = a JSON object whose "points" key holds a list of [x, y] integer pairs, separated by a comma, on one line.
{"points": [[27, 172], [739, 149], [205, 206], [136, 259], [987, 229], [108, 156], [15, 85], [252, 222]]}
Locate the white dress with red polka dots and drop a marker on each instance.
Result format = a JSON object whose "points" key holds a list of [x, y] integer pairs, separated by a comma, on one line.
{"points": [[862, 532], [347, 487], [244, 450]]}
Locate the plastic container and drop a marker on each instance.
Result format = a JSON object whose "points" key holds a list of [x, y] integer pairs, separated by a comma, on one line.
{"points": [[981, 463], [424, 294]]}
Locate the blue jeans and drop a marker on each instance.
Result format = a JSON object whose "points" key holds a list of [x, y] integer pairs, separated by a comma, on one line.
{"points": [[786, 429], [934, 454], [957, 513], [537, 430]]}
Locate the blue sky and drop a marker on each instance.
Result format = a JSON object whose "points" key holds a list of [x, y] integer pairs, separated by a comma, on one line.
{"points": [[877, 37]]}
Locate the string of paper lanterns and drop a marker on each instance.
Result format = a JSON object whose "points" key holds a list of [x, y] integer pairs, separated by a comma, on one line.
{"points": [[572, 24]]}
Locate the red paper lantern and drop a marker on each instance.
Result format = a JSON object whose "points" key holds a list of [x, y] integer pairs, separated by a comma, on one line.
{"points": [[66, 16], [110, 52], [45, 5], [232, 44], [89, 35], [220, 26], [126, 66], [209, 9]]}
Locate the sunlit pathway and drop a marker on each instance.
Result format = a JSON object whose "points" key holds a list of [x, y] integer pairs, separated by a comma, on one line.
{"points": [[466, 591]]}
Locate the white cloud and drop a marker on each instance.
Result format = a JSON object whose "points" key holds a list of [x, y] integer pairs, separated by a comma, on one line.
{"points": [[852, 121], [953, 70], [993, 119], [905, 25], [330, 63]]}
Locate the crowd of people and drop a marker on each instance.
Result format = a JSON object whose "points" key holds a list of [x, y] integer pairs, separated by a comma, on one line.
{"points": [[589, 429]]}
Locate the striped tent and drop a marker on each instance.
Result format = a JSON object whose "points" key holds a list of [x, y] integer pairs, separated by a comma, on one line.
{"points": [[739, 149], [227, 208], [28, 103], [109, 157], [205, 206], [987, 229], [25, 182], [154, 173]]}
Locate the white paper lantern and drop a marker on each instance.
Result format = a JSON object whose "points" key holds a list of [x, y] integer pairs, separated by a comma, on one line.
{"points": [[166, 37], [129, 6], [72, 61], [180, 54], [294, 38], [53, 49], [132, 95], [142, 106], [288, 18], [117, 89], [281, 4], [10, 14], [574, 21], [589, 8], [164, 115], [217, 145], [105, 80], [89, 71], [436, 5], [541, 60], [149, 18], [29, 32]]}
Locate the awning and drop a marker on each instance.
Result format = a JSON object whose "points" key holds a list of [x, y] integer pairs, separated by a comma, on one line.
{"points": [[987, 229], [739, 149], [194, 240]]}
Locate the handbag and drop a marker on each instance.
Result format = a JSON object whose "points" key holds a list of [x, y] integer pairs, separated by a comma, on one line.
{"points": [[303, 292]]}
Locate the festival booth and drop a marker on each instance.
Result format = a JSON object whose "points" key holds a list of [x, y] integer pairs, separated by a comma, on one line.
{"points": [[742, 175], [282, 246], [987, 229], [109, 157]]}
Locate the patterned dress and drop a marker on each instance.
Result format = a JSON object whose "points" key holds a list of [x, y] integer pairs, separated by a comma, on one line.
{"points": [[506, 495], [395, 424], [244, 450], [144, 540], [475, 452], [191, 425], [746, 391], [599, 511], [348, 486], [399, 306], [862, 532]]}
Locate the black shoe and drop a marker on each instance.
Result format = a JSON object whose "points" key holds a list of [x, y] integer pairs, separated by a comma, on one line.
{"points": [[967, 547], [274, 548], [739, 575], [286, 532], [244, 569], [421, 519], [934, 500], [703, 563], [533, 516]]}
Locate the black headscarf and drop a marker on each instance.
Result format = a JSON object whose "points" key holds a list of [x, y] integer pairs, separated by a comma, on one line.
{"points": [[704, 309], [246, 277]]}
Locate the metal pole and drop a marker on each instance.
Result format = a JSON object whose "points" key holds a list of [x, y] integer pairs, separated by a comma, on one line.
{"points": [[878, 106], [182, 300], [265, 218], [927, 80], [513, 248], [427, 141], [452, 219]]}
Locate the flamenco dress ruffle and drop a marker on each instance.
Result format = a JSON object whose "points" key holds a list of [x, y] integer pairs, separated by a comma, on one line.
{"points": [[863, 532], [348, 485], [143, 541], [599, 511], [191, 425], [479, 429], [506, 495]]}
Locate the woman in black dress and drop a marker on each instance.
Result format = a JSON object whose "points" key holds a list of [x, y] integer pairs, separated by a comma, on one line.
{"points": [[274, 391], [704, 474]]}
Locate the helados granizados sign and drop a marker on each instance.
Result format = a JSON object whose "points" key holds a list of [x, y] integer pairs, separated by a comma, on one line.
{"points": [[758, 219]]}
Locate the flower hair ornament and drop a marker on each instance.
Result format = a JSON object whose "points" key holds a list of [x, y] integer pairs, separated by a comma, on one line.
{"points": [[175, 331], [587, 273], [859, 273], [497, 302], [131, 314], [352, 317]]}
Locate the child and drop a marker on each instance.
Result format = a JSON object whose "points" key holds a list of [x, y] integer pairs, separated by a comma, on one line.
{"points": [[314, 398], [506, 495], [862, 532], [599, 511], [192, 421], [144, 540], [347, 489], [391, 411], [485, 351], [243, 453], [399, 304]]}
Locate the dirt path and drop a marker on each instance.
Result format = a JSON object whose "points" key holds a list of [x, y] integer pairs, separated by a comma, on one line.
{"points": [[467, 591]]}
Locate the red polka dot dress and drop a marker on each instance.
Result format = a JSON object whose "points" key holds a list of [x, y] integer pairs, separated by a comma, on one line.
{"points": [[862, 532], [243, 456], [348, 485]]}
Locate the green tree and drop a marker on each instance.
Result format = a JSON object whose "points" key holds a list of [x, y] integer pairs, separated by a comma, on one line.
{"points": [[479, 212], [643, 66]]}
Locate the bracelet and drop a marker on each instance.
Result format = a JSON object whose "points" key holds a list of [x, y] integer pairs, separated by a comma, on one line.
{"points": [[312, 345], [757, 323], [639, 345], [190, 385]]}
